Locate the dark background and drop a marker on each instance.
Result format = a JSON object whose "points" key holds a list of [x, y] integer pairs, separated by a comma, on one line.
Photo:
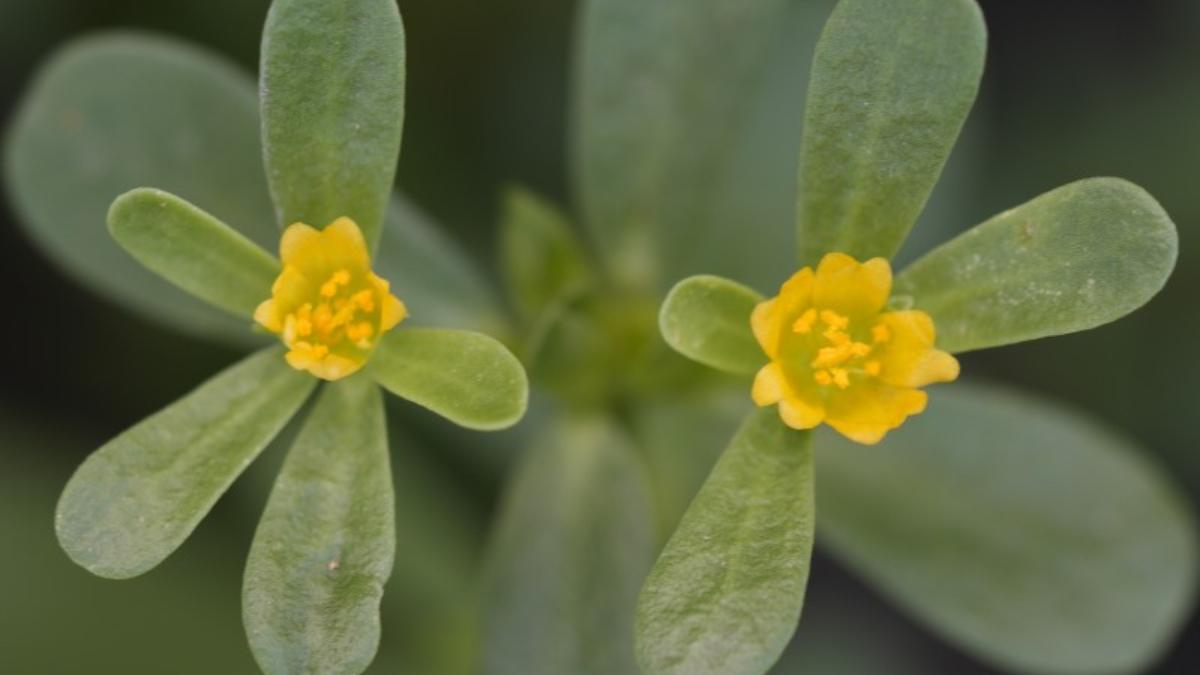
{"points": [[1073, 88]]}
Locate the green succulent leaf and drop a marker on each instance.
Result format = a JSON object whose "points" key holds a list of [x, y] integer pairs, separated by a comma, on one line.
{"points": [[439, 283], [193, 250], [136, 499], [664, 95], [333, 109], [541, 260], [1027, 534], [707, 319], [466, 377], [111, 113], [572, 545], [326, 542], [1074, 258], [885, 105], [725, 595], [681, 436]]}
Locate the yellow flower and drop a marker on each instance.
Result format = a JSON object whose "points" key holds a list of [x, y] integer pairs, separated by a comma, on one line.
{"points": [[327, 305], [836, 355]]}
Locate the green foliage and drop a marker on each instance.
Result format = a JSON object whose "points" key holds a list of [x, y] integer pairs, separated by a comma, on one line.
{"points": [[325, 544], [193, 250], [1035, 538], [573, 541], [333, 109], [541, 260], [139, 496], [725, 595], [707, 319], [1072, 259], [885, 105], [663, 93], [466, 377], [111, 113]]}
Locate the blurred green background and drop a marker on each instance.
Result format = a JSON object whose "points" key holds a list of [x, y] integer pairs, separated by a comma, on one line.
{"points": [[1073, 88]]}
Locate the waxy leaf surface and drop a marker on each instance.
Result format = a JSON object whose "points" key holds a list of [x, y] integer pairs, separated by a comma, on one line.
{"points": [[707, 319]]}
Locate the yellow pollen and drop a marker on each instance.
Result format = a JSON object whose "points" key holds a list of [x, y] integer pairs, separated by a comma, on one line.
{"points": [[836, 336], [880, 333], [823, 378], [860, 348], [872, 367], [841, 378], [341, 277], [805, 323], [365, 300], [834, 320]]}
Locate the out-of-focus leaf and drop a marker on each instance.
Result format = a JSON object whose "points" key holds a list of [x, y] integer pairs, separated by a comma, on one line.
{"points": [[193, 250], [1029, 535], [439, 283], [111, 113], [540, 258], [891, 86], [681, 436], [663, 93], [466, 377], [1072, 259], [333, 109], [707, 319], [132, 627], [139, 496], [325, 544], [725, 595], [573, 542]]}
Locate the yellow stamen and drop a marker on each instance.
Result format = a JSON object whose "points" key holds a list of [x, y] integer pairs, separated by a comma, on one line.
{"points": [[805, 323]]}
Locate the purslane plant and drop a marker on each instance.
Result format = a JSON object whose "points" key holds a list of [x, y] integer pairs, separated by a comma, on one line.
{"points": [[332, 110], [842, 345], [682, 129]]}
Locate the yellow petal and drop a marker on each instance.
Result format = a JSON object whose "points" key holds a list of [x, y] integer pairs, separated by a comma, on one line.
{"points": [[768, 385], [866, 412], [800, 414], [297, 242], [765, 323], [346, 241], [266, 316], [909, 358], [847, 286]]}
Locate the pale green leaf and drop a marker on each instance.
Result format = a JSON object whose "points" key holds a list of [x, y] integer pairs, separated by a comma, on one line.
{"points": [[681, 436], [1029, 535], [139, 496], [111, 113], [541, 260], [707, 319], [572, 545], [333, 109], [665, 94], [725, 595], [325, 544], [891, 86], [1074, 258], [466, 377], [193, 250]]}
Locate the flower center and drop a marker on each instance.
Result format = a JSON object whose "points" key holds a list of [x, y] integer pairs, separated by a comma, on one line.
{"points": [[340, 314], [838, 355]]}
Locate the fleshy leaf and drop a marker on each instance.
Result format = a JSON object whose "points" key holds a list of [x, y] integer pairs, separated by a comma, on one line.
{"points": [[136, 499], [326, 542], [886, 102], [333, 109], [664, 95], [725, 595], [540, 258], [1031, 536], [466, 377], [573, 543], [193, 250], [111, 113], [1074, 258], [707, 319]]}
